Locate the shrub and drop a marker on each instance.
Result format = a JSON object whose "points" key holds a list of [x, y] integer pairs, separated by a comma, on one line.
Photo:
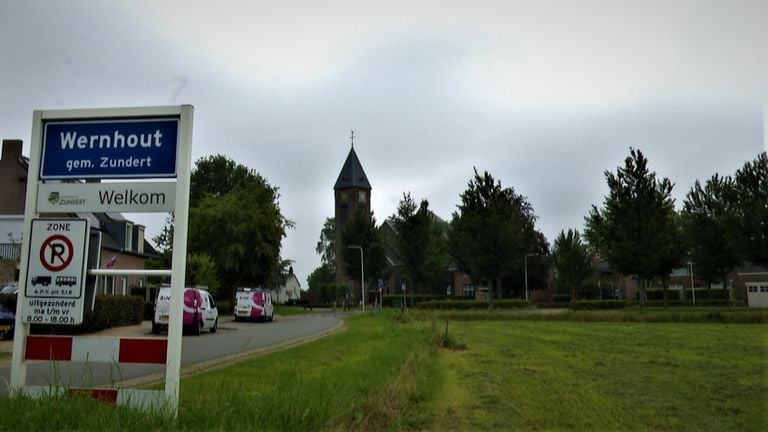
{"points": [[225, 307], [9, 301], [443, 339], [108, 311]]}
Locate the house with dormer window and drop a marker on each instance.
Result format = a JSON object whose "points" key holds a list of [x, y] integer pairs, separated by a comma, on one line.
{"points": [[123, 245]]}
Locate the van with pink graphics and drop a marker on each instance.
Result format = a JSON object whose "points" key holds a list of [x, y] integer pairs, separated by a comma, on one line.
{"points": [[199, 311], [253, 304]]}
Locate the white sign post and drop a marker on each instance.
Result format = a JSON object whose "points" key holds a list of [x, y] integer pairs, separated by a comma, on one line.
{"points": [[99, 144], [56, 272]]}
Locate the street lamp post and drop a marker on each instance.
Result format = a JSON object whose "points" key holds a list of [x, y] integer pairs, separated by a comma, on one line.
{"points": [[526, 273], [362, 273], [693, 291]]}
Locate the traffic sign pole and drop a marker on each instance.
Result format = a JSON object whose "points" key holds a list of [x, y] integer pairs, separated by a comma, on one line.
{"points": [[69, 144], [18, 366], [179, 260]]}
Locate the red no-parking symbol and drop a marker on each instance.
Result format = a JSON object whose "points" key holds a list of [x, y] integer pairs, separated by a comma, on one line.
{"points": [[56, 253]]}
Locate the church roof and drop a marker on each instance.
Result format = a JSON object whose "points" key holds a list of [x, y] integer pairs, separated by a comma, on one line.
{"points": [[352, 174]]}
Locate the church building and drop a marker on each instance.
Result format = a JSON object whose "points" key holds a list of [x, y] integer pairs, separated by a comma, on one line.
{"points": [[352, 192]]}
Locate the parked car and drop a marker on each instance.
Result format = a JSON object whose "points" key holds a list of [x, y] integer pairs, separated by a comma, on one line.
{"points": [[10, 288], [253, 304], [7, 321], [200, 311]]}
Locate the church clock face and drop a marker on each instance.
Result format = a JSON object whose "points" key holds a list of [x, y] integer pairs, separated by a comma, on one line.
{"points": [[361, 197]]}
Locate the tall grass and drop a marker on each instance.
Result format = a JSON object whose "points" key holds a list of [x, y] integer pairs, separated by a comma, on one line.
{"points": [[359, 379]]}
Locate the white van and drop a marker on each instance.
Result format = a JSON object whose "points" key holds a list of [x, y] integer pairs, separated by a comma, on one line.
{"points": [[253, 304], [200, 312]]}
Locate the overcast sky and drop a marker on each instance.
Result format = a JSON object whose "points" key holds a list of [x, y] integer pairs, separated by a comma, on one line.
{"points": [[545, 95]]}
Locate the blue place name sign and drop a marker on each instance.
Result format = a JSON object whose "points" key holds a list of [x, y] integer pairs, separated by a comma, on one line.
{"points": [[133, 148]]}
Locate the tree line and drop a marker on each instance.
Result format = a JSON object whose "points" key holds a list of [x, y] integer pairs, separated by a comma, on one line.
{"points": [[492, 235]]}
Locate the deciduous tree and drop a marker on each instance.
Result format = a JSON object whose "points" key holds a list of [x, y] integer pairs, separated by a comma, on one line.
{"points": [[751, 189], [632, 229], [326, 246], [710, 220], [491, 231], [239, 223], [571, 260], [421, 242], [201, 270], [361, 231]]}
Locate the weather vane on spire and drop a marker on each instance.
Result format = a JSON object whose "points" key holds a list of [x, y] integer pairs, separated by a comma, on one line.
{"points": [[352, 138]]}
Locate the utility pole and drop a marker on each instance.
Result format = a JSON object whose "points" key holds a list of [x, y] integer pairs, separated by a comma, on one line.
{"points": [[693, 291]]}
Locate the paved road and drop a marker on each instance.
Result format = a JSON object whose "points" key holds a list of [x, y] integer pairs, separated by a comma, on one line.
{"points": [[233, 339]]}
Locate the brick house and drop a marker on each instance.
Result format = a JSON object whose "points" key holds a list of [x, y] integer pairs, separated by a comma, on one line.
{"points": [[749, 283], [123, 245]]}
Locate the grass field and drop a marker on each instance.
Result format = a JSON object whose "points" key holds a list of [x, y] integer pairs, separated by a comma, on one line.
{"points": [[604, 376], [389, 374]]}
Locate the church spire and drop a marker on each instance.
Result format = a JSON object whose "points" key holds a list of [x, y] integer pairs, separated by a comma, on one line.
{"points": [[352, 174]]}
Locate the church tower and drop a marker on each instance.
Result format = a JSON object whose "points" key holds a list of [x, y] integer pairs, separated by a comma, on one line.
{"points": [[352, 191]]}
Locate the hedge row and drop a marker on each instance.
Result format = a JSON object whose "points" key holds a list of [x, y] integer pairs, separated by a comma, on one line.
{"points": [[599, 304], [735, 316], [397, 300], [108, 311], [471, 304], [680, 303], [553, 305], [578, 305], [708, 294]]}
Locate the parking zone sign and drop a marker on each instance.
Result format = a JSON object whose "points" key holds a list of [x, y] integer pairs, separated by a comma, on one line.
{"points": [[56, 272]]}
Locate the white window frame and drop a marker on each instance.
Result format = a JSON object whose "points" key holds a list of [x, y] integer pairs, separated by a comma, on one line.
{"points": [[129, 236]]}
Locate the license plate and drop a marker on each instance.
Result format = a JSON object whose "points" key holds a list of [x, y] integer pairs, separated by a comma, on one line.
{"points": [[164, 318], [4, 327]]}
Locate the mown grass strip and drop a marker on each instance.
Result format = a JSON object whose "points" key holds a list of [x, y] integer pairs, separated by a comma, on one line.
{"points": [[603, 376]]}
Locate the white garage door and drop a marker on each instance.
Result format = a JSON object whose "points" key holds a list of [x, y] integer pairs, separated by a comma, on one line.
{"points": [[757, 294]]}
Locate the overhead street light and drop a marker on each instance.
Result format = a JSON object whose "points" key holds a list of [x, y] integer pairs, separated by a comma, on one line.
{"points": [[362, 273]]}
